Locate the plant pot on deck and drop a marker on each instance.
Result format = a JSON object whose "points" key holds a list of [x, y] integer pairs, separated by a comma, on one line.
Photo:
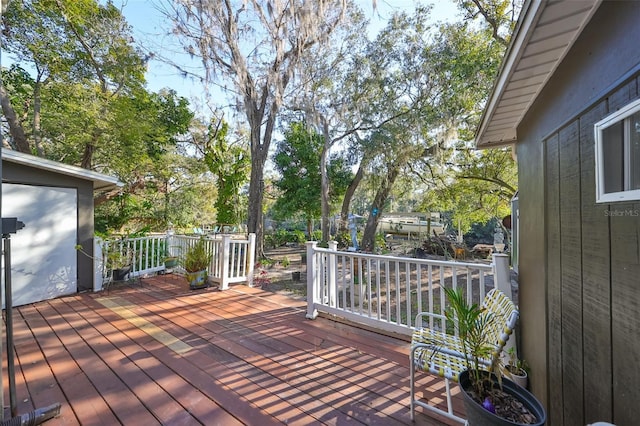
{"points": [[295, 275], [120, 274], [197, 279], [171, 262], [477, 415], [519, 376]]}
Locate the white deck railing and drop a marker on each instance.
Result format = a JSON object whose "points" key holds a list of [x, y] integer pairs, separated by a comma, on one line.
{"points": [[232, 261], [387, 292]]}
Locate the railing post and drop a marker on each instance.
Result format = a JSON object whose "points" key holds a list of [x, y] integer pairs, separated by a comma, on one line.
{"points": [[312, 293], [224, 259], [169, 238], [251, 258], [98, 264], [502, 274], [332, 272], [502, 281]]}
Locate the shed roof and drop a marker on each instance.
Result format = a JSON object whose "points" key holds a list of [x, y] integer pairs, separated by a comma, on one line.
{"points": [[545, 32], [100, 181]]}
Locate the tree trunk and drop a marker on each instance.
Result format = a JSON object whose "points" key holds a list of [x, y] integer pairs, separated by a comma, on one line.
{"points": [[309, 228], [87, 156], [15, 127], [37, 102], [254, 218], [259, 152], [346, 202], [324, 179], [369, 236]]}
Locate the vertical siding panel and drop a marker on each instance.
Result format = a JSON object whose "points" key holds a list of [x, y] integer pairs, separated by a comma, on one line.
{"points": [[624, 221], [554, 280], [596, 281], [625, 312], [571, 270]]}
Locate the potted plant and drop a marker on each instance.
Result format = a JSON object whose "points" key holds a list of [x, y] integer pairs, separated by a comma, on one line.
{"points": [[516, 369], [119, 261], [196, 261], [170, 262], [488, 398]]}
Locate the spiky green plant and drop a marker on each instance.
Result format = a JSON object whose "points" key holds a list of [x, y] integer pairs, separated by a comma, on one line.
{"points": [[471, 323]]}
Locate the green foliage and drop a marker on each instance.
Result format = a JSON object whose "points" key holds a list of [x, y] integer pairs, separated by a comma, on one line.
{"points": [[381, 243], [266, 262], [471, 324], [297, 159], [230, 163], [197, 257], [281, 237], [515, 365], [276, 239], [405, 104], [481, 233], [298, 237], [474, 185], [86, 105], [343, 238], [498, 17]]}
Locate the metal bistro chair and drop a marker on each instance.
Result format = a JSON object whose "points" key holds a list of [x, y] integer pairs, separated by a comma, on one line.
{"points": [[434, 351]]}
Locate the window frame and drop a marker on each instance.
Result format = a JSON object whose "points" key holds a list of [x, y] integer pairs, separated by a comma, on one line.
{"points": [[619, 116]]}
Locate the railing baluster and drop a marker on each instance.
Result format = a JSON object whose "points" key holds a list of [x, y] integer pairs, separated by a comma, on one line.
{"points": [[361, 287], [407, 271], [387, 289], [398, 298], [351, 284], [378, 291], [442, 298], [419, 286], [469, 283], [429, 273]]}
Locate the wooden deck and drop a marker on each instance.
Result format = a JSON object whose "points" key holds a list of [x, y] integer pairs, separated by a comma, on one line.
{"points": [[157, 353]]}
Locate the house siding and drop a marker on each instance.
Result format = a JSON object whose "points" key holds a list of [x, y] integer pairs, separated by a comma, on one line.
{"points": [[579, 264], [15, 173]]}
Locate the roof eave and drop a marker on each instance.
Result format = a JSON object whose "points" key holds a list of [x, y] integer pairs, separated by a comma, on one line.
{"points": [[101, 182], [529, 17]]}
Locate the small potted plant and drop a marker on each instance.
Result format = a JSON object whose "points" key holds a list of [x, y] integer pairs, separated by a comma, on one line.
{"points": [[171, 260], [488, 397], [196, 261], [516, 369], [119, 261]]}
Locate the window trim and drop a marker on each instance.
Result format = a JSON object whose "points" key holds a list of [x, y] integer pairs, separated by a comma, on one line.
{"points": [[599, 127]]}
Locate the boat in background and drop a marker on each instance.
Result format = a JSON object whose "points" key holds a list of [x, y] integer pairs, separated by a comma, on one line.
{"points": [[409, 224]]}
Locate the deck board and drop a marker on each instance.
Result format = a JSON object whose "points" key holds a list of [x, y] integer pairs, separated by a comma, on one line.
{"points": [[156, 353]]}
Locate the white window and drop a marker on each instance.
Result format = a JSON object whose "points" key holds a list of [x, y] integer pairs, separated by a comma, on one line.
{"points": [[618, 155]]}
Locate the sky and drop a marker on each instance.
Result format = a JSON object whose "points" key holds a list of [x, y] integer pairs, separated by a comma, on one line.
{"points": [[149, 29]]}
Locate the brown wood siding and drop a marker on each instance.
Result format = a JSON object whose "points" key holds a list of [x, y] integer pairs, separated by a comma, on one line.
{"points": [[571, 270], [592, 292], [596, 300], [591, 258], [554, 274], [625, 313], [624, 291]]}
